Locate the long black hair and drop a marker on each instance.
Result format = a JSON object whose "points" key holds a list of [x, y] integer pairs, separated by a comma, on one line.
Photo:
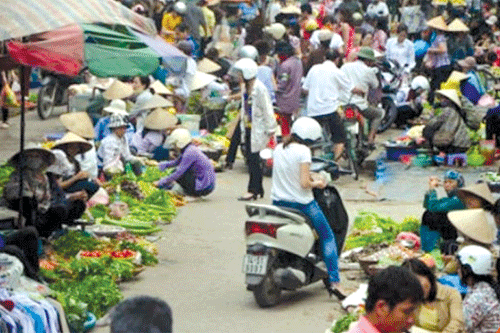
{"points": [[467, 272]]}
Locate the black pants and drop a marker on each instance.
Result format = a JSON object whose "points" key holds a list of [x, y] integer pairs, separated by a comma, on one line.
{"points": [[254, 167], [233, 147], [493, 128], [439, 222], [406, 112], [438, 76], [5, 114], [188, 183], [23, 244], [89, 186]]}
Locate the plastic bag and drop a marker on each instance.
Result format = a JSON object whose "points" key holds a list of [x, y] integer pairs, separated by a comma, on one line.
{"points": [[118, 209], [8, 97], [100, 197], [115, 166]]}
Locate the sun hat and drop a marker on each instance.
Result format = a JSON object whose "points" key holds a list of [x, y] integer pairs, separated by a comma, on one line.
{"points": [[324, 35], [474, 224], [438, 23], [276, 30], [311, 25], [118, 107], [225, 48], [156, 101], [457, 26], [207, 66], [118, 90], [290, 9], [160, 88], [467, 62], [71, 139], [160, 119], [201, 80], [35, 157], [491, 20], [457, 76], [455, 175], [480, 190], [116, 121], [366, 53], [78, 123], [451, 94], [179, 138]]}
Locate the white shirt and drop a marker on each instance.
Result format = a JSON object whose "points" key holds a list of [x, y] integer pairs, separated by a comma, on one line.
{"points": [[403, 53], [184, 83], [362, 77], [325, 82], [274, 9], [286, 173], [335, 42], [88, 161], [378, 9], [111, 148]]}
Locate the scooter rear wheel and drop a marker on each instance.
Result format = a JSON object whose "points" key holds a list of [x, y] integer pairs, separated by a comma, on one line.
{"points": [[267, 293]]}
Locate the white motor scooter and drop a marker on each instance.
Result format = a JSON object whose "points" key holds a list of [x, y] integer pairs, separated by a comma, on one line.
{"points": [[283, 250]]}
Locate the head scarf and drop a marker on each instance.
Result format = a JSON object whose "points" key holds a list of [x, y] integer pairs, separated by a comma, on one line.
{"points": [[455, 175]]}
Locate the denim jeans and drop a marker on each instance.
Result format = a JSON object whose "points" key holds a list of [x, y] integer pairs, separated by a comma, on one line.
{"points": [[326, 236]]}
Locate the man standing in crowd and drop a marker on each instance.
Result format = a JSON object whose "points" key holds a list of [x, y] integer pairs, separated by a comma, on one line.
{"points": [[393, 296]]}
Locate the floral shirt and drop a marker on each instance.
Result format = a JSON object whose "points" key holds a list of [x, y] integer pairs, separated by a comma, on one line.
{"points": [[481, 309]]}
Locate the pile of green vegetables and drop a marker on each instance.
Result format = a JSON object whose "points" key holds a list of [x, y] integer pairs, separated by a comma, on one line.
{"points": [[388, 229], [84, 284], [342, 324], [5, 172]]}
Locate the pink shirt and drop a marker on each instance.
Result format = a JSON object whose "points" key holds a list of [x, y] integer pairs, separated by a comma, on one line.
{"points": [[364, 326]]}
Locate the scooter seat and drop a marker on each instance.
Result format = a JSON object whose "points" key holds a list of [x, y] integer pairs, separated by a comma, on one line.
{"points": [[298, 212]]}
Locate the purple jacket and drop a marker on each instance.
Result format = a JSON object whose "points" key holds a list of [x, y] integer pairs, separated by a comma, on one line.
{"points": [[191, 157], [288, 91]]}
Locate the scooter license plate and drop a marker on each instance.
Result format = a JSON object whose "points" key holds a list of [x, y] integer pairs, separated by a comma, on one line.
{"points": [[255, 264]]}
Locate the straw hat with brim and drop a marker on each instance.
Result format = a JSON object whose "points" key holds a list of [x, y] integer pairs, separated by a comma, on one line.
{"points": [[118, 90], [117, 121], [451, 94], [467, 63], [201, 80], [78, 123], [457, 26], [155, 102], [71, 139], [276, 30], [160, 119], [160, 88], [117, 106], [324, 35], [225, 48], [473, 223], [480, 190], [438, 23], [457, 76], [290, 10], [33, 155], [207, 66], [366, 53]]}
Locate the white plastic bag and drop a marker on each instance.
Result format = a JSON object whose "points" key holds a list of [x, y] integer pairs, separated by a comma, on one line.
{"points": [[114, 167]]}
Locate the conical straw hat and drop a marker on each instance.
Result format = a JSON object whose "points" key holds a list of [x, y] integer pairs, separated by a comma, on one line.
{"points": [[457, 76], [473, 223], [155, 102], [457, 26], [207, 66], [71, 139], [160, 119], [78, 123], [225, 48], [201, 80], [450, 94], [118, 90], [33, 152], [160, 88], [437, 23], [480, 190]]}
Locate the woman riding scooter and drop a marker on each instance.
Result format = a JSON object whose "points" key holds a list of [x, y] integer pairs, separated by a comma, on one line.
{"points": [[293, 183]]}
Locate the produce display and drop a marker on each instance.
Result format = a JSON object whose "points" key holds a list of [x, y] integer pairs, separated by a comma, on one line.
{"points": [[5, 172], [84, 271]]}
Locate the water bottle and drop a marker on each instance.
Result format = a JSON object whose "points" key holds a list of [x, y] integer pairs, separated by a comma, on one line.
{"points": [[381, 170]]}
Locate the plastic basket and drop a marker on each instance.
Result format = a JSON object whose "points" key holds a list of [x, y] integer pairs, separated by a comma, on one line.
{"points": [[394, 152]]}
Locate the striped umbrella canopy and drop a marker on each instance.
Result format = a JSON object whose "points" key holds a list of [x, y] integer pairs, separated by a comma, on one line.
{"points": [[21, 18]]}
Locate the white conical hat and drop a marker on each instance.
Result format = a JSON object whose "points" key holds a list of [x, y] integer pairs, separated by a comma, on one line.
{"points": [[78, 123], [480, 190], [207, 66], [160, 88], [155, 102], [438, 23], [201, 80], [71, 139], [451, 94], [474, 224], [118, 90], [457, 76], [457, 26], [160, 119]]}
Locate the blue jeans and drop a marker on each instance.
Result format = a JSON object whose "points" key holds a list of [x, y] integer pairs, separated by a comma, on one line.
{"points": [[326, 236]]}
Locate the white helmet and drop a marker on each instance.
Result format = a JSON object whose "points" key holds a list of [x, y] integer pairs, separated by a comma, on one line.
{"points": [[179, 138], [420, 82], [248, 68], [307, 129], [180, 7], [478, 258], [248, 51]]}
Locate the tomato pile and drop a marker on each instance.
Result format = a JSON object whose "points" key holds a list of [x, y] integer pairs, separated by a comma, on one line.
{"points": [[123, 254], [91, 254]]}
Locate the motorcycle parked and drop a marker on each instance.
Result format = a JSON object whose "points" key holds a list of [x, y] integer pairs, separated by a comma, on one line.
{"points": [[283, 250], [54, 92], [391, 79]]}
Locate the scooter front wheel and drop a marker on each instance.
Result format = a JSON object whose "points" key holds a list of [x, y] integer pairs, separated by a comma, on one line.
{"points": [[267, 293]]}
